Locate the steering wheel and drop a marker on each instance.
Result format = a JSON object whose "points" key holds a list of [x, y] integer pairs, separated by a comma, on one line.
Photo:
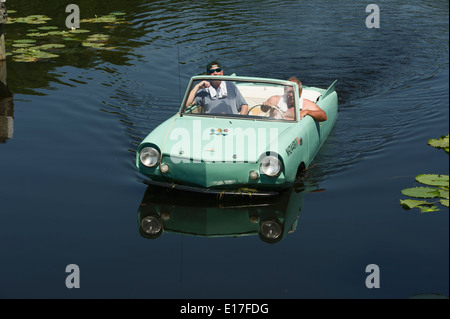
{"points": [[266, 108]]}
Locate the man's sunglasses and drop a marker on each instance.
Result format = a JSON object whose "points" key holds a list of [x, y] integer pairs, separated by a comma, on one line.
{"points": [[211, 71]]}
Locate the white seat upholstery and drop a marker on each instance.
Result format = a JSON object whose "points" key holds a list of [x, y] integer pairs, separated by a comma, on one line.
{"points": [[259, 94], [311, 95]]}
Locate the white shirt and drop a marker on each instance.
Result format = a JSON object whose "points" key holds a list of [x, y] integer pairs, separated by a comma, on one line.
{"points": [[282, 104]]}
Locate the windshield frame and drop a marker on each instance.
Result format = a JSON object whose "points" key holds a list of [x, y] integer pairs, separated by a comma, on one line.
{"points": [[234, 78]]}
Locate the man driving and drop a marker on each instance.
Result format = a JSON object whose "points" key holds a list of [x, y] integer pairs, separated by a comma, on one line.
{"points": [[216, 96]]}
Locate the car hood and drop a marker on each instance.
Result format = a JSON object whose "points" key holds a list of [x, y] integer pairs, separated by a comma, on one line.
{"points": [[217, 139]]}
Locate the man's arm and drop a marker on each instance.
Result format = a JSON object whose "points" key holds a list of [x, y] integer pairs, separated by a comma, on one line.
{"points": [[191, 97], [244, 109], [272, 101], [240, 101], [312, 109]]}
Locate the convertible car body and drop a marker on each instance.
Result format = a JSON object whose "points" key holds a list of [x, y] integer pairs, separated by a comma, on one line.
{"points": [[217, 149]]}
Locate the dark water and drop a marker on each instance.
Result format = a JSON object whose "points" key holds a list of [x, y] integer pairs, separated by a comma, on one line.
{"points": [[70, 193]]}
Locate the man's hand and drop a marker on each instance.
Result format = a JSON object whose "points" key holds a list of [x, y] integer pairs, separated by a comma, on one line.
{"points": [[201, 85], [266, 106], [204, 85], [303, 113]]}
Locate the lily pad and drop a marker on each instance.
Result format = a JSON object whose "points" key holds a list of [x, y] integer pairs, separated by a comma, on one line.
{"points": [[93, 44], [51, 46], [443, 193], [44, 55], [25, 50], [37, 34], [22, 45], [24, 58], [48, 28], [33, 55], [421, 192], [21, 50], [433, 180], [101, 19], [444, 202], [24, 41], [441, 143], [98, 38], [425, 209], [32, 19], [424, 206], [413, 203], [110, 18], [79, 31], [38, 16], [58, 33]]}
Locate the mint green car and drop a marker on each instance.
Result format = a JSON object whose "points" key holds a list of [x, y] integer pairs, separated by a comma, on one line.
{"points": [[228, 137]]}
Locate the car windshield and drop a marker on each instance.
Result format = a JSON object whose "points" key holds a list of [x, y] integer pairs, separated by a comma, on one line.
{"points": [[264, 100]]}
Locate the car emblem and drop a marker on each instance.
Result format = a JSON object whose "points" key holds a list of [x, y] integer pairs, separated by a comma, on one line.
{"points": [[219, 131], [293, 145]]}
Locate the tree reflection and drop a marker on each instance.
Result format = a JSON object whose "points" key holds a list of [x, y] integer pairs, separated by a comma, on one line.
{"points": [[111, 42], [6, 107]]}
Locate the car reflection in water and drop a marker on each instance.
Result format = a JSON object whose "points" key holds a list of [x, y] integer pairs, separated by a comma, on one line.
{"points": [[164, 210]]}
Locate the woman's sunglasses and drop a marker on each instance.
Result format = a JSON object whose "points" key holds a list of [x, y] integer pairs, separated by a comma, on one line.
{"points": [[211, 71]]}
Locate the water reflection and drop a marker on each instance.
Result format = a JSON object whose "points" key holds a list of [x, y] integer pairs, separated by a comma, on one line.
{"points": [[168, 211], [112, 43], [6, 107]]}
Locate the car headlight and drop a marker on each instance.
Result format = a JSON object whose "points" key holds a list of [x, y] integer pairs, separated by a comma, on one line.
{"points": [[270, 229], [149, 156], [270, 166], [151, 225]]}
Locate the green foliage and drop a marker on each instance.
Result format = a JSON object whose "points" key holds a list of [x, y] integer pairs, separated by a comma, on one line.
{"points": [[424, 206], [439, 183], [24, 50], [421, 192], [33, 19], [441, 143], [97, 41], [110, 18], [24, 41], [433, 180]]}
